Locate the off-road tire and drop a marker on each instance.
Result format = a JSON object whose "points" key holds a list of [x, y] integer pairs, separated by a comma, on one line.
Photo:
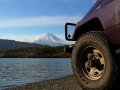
{"points": [[92, 78]]}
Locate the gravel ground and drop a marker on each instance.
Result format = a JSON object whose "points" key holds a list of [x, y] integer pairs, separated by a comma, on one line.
{"points": [[64, 83]]}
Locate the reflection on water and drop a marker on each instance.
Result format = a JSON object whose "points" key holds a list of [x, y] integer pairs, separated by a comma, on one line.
{"points": [[23, 70]]}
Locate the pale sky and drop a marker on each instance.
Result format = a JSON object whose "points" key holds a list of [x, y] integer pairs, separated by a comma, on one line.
{"points": [[25, 20]]}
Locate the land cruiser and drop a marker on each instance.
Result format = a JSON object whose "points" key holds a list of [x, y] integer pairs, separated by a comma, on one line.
{"points": [[97, 37]]}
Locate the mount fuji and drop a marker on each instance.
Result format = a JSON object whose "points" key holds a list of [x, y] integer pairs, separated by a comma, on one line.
{"points": [[50, 40]]}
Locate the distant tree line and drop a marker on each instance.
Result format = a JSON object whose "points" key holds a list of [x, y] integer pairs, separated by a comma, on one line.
{"points": [[35, 52]]}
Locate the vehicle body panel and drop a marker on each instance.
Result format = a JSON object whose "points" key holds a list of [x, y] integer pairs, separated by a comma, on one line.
{"points": [[108, 13]]}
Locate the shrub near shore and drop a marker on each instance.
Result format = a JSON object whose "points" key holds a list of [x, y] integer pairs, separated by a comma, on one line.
{"points": [[35, 52]]}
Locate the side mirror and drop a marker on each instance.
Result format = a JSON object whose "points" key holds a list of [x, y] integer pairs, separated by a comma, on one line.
{"points": [[69, 31]]}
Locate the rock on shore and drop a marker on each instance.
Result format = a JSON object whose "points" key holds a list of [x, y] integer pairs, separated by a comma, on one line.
{"points": [[64, 83]]}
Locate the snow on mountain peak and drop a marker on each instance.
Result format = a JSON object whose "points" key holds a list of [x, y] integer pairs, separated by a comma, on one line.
{"points": [[49, 39]]}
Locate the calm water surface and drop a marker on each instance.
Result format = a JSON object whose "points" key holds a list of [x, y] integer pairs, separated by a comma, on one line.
{"points": [[19, 71]]}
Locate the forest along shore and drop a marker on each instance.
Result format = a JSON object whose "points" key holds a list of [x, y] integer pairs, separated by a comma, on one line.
{"points": [[35, 52], [64, 83]]}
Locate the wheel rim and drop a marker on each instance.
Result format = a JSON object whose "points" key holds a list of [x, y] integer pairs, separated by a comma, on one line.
{"points": [[93, 63]]}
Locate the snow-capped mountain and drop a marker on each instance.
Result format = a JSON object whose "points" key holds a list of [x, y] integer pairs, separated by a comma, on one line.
{"points": [[49, 39]]}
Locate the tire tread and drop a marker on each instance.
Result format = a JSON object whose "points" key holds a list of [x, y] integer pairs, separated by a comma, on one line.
{"points": [[102, 38]]}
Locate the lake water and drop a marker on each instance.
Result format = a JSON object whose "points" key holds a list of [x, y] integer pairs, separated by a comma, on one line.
{"points": [[20, 71]]}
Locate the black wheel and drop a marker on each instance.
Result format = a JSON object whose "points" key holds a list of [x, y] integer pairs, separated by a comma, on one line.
{"points": [[92, 62]]}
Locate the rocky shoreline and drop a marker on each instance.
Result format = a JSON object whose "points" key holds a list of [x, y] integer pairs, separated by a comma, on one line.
{"points": [[64, 83]]}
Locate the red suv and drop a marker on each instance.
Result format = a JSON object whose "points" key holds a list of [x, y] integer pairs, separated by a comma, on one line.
{"points": [[97, 37]]}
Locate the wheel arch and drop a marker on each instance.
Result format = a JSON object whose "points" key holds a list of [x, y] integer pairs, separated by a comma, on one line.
{"points": [[92, 25]]}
